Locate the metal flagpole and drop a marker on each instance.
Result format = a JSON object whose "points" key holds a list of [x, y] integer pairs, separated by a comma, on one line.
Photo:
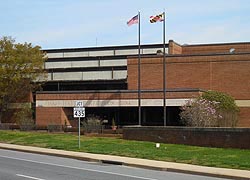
{"points": [[139, 68], [164, 72]]}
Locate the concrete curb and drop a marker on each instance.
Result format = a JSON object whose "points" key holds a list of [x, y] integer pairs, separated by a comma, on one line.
{"points": [[135, 162]]}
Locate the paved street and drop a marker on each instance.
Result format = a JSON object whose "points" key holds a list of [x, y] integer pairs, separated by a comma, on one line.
{"points": [[16, 165]]}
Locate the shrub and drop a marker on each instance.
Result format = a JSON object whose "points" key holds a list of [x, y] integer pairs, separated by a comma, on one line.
{"points": [[92, 124], [226, 101], [23, 116], [212, 109], [200, 113], [24, 119], [227, 108]]}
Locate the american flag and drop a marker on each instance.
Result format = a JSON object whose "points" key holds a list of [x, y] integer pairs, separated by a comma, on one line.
{"points": [[133, 20]]}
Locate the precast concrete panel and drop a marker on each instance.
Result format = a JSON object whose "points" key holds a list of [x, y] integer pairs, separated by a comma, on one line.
{"points": [[55, 65], [49, 76], [77, 54], [55, 55], [101, 53], [152, 50], [94, 75], [67, 76], [116, 62], [86, 76], [94, 63], [120, 74], [127, 52]]}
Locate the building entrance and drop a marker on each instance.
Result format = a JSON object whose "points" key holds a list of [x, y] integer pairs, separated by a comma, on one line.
{"points": [[151, 116]]}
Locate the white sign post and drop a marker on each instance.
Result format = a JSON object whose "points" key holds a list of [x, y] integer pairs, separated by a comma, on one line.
{"points": [[79, 111]]}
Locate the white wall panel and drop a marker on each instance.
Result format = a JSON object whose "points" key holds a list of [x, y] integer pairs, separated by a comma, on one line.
{"points": [[93, 63], [54, 65], [127, 52], [55, 55], [49, 77], [120, 74], [111, 103], [101, 53], [89, 75], [76, 54], [116, 62], [97, 75], [67, 76], [151, 51]]}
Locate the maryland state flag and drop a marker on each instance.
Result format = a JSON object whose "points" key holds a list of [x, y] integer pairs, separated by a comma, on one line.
{"points": [[157, 18]]}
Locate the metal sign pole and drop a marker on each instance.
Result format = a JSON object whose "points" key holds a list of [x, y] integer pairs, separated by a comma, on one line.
{"points": [[79, 111], [79, 133]]}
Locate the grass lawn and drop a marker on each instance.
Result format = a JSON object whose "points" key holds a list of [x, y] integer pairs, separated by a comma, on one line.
{"points": [[215, 157]]}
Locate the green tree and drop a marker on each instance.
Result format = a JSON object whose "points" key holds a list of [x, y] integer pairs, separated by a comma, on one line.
{"points": [[227, 107], [21, 65]]}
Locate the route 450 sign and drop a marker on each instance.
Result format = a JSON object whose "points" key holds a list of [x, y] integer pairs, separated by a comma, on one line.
{"points": [[79, 112]]}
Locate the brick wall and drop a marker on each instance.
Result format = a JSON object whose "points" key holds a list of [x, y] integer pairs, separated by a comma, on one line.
{"points": [[211, 137], [226, 73], [244, 117], [151, 73], [215, 48], [49, 116], [174, 48]]}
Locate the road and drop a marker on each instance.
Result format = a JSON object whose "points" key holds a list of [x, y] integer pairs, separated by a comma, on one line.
{"points": [[16, 165]]}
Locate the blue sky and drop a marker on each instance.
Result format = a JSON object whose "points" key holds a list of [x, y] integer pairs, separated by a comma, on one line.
{"points": [[82, 23]]}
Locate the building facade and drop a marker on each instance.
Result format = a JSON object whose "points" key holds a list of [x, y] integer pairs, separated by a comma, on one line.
{"points": [[106, 80]]}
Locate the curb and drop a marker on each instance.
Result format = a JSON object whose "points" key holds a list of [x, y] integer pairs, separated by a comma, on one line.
{"points": [[134, 162], [112, 162]]}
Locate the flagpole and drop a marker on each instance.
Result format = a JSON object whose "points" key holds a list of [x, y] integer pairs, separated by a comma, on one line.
{"points": [[139, 68], [164, 72]]}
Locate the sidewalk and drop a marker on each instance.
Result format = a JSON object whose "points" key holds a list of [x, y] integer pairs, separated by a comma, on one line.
{"points": [[151, 164]]}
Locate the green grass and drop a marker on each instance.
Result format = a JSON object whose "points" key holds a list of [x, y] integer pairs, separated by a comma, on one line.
{"points": [[214, 157]]}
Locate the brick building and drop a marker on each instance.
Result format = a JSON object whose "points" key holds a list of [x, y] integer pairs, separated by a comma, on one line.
{"points": [[106, 80]]}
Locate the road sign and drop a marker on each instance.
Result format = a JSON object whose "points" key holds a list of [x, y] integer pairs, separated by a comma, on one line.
{"points": [[79, 112], [78, 103]]}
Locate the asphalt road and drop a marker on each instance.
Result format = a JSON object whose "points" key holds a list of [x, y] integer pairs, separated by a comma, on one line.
{"points": [[16, 165]]}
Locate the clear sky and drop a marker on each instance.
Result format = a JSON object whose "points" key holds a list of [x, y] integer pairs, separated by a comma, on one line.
{"points": [[88, 23]]}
